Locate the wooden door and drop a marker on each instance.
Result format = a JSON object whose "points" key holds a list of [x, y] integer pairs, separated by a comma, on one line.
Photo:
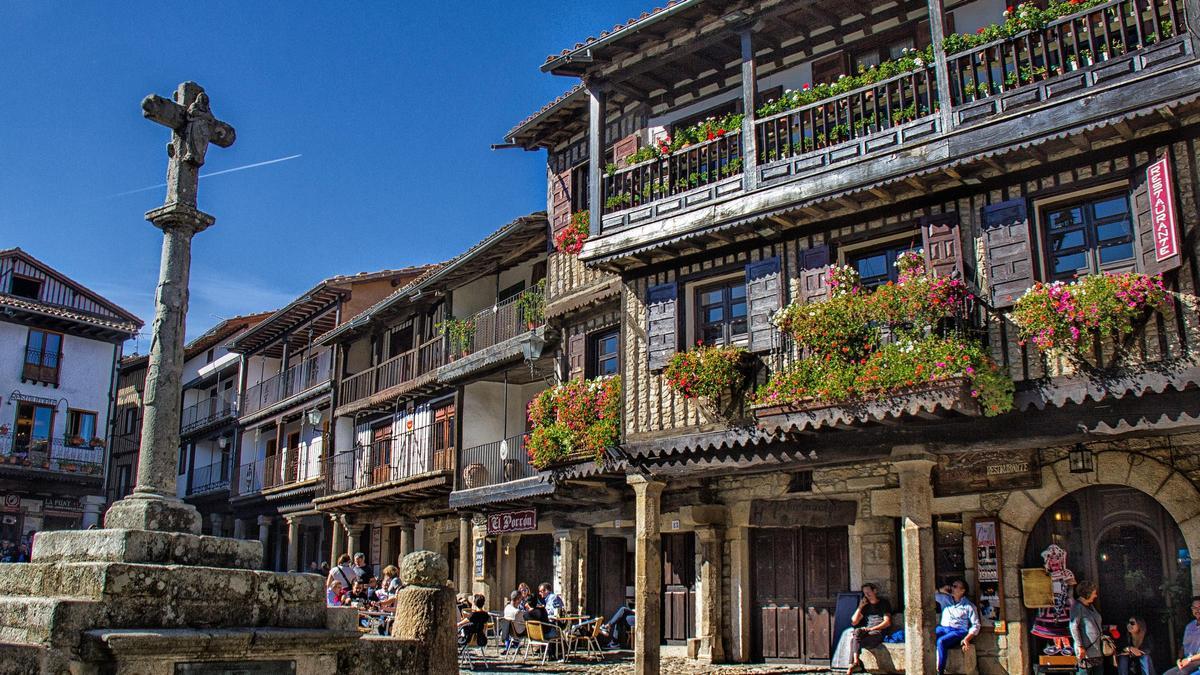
{"points": [[797, 575], [679, 586], [607, 558], [535, 559], [293, 456]]}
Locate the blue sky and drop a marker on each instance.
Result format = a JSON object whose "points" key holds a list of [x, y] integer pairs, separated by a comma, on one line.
{"points": [[391, 105]]}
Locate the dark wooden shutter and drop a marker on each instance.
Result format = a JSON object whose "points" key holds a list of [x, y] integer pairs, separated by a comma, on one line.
{"points": [[1144, 219], [1008, 250], [576, 355], [827, 69], [814, 274], [942, 240], [625, 147], [762, 301], [662, 328], [924, 35], [560, 199]]}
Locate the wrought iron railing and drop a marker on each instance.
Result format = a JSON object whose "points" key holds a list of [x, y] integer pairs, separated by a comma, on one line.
{"points": [[209, 478], [414, 453], [310, 372], [1063, 45], [51, 454], [504, 320], [495, 463], [687, 168], [41, 366], [208, 411], [248, 478], [395, 371]]}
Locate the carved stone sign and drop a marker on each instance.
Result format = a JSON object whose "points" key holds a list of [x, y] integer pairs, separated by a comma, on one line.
{"points": [[236, 668], [986, 471], [512, 521], [803, 513]]}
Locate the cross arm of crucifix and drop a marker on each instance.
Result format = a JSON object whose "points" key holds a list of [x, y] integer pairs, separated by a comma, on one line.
{"points": [[175, 116]]}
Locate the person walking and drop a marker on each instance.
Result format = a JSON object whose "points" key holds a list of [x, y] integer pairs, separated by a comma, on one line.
{"points": [[1133, 651], [958, 626], [1087, 630], [1189, 662]]}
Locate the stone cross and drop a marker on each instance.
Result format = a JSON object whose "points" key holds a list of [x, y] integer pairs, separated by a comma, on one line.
{"points": [[193, 127], [153, 504]]}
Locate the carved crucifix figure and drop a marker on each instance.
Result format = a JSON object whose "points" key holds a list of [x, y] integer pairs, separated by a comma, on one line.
{"points": [[194, 127]]}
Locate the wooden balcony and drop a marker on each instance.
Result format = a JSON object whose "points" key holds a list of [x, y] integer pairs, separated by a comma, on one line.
{"points": [[41, 366], [415, 465], [310, 373], [392, 377], [1020, 89], [207, 412]]}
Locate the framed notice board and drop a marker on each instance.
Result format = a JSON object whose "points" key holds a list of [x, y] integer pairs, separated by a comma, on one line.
{"points": [[480, 559], [989, 574]]}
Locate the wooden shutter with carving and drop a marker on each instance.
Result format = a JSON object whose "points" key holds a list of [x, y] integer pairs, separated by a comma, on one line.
{"points": [[1009, 253], [624, 148], [814, 274], [762, 301], [942, 240], [576, 355], [1143, 218], [560, 200], [662, 325]]}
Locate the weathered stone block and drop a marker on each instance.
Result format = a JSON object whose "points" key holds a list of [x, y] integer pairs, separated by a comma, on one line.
{"points": [[144, 546]]}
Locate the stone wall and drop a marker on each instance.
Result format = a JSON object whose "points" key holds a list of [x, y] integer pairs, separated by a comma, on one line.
{"points": [[384, 655]]}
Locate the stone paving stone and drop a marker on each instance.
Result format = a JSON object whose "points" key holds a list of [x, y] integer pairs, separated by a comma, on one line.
{"points": [[621, 663]]}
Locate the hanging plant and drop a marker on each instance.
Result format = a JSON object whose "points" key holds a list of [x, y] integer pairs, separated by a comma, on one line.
{"points": [[1064, 319], [459, 332], [532, 305], [571, 238], [576, 417], [846, 356], [707, 371]]}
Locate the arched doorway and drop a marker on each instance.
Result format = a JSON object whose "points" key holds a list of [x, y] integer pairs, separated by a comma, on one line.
{"points": [[1127, 543]]}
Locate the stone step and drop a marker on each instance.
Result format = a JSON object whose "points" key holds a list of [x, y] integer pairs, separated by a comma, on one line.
{"points": [[146, 546]]}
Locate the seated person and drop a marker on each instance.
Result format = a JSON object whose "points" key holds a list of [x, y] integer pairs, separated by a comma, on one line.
{"points": [[514, 626], [1190, 662], [958, 626], [362, 595], [870, 623], [618, 626], [335, 595], [535, 611], [1133, 649], [474, 623]]}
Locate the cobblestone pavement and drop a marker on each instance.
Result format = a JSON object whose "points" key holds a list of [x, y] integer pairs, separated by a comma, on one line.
{"points": [[621, 663]]}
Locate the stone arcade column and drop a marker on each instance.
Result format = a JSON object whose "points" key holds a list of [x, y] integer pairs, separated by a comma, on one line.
{"points": [[915, 464], [466, 553], [339, 540], [216, 522], [407, 538], [264, 535], [711, 539], [93, 505], [569, 545], [647, 574], [239, 528], [293, 549]]}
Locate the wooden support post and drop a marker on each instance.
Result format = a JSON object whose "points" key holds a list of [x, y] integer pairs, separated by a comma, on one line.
{"points": [[937, 31], [749, 96], [597, 111]]}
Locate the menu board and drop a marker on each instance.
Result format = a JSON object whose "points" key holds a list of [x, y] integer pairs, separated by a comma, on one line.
{"points": [[989, 591]]}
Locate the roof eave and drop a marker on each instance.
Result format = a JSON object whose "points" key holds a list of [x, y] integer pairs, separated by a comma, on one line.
{"points": [[558, 63]]}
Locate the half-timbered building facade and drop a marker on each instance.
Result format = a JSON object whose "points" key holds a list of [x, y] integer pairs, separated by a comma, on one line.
{"points": [[739, 153]]}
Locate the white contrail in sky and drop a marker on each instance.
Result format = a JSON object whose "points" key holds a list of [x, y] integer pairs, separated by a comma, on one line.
{"points": [[215, 173]]}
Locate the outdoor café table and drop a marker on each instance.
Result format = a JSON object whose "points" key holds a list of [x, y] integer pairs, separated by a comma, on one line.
{"points": [[373, 619], [567, 623]]}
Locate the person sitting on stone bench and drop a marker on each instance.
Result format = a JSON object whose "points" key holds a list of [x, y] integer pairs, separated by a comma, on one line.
{"points": [[869, 623], [618, 626], [958, 626]]}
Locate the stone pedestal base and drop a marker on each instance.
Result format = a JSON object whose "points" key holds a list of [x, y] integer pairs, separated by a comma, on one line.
{"points": [[136, 512], [142, 546]]}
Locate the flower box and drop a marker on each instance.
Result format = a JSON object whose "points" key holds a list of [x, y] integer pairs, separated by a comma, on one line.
{"points": [[570, 459], [937, 398]]}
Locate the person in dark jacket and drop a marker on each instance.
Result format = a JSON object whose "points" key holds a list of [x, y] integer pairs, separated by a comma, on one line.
{"points": [[1133, 649]]}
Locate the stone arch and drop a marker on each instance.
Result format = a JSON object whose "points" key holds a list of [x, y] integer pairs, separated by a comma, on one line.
{"points": [[1022, 509]]}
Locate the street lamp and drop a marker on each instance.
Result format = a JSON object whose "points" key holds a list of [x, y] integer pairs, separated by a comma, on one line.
{"points": [[1080, 459]]}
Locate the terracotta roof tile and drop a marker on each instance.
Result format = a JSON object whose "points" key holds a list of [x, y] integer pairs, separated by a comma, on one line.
{"points": [[562, 98], [619, 27], [45, 309]]}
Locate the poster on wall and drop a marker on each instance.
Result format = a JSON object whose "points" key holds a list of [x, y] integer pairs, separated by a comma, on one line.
{"points": [[989, 592], [480, 558]]}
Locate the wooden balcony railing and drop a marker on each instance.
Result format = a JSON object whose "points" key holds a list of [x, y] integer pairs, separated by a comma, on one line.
{"points": [[51, 454], [680, 171], [411, 454], [307, 374], [1063, 45], [395, 371], [495, 463], [854, 114], [207, 411]]}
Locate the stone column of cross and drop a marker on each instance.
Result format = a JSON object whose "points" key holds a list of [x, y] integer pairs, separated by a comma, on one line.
{"points": [[153, 504]]}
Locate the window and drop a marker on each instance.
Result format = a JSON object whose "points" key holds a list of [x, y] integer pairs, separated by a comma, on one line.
{"points": [[81, 425], [878, 265], [182, 468], [26, 287], [949, 562], [602, 352], [129, 422], [43, 351], [208, 357], [123, 483], [1089, 236], [721, 311], [718, 111], [35, 425], [579, 188], [443, 437]]}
